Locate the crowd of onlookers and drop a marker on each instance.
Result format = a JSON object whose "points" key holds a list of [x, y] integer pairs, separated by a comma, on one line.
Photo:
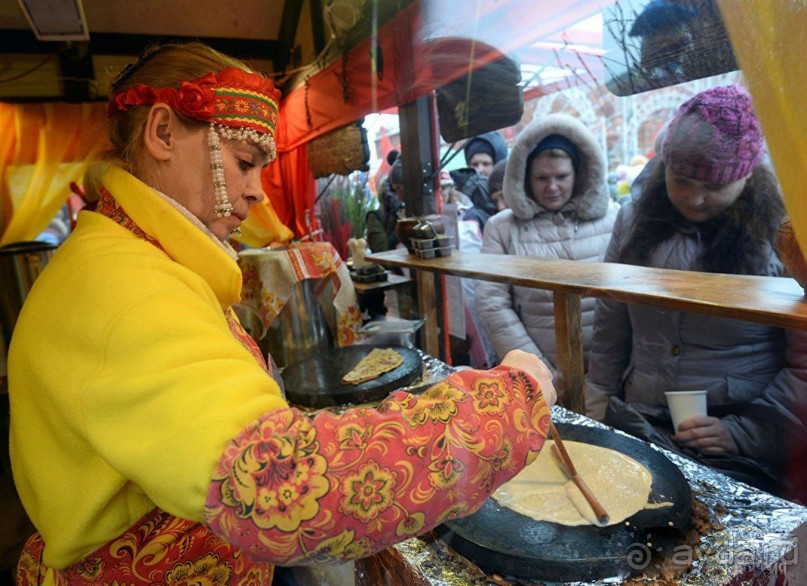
{"points": [[705, 200]]}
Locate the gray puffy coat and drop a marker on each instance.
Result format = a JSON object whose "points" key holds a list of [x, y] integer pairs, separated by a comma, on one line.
{"points": [[520, 317], [639, 353]]}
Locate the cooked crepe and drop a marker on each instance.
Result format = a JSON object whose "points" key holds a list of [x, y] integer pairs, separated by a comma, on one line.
{"points": [[543, 492], [373, 365]]}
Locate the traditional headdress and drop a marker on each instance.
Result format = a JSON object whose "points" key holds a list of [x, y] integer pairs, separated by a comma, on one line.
{"points": [[237, 105]]}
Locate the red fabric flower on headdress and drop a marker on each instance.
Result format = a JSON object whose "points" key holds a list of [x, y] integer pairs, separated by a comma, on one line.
{"points": [[195, 99]]}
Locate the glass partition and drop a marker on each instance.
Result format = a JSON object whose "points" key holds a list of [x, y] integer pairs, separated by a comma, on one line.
{"points": [[651, 44]]}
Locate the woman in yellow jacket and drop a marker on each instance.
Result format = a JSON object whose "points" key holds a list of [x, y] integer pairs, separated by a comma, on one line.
{"points": [[149, 442]]}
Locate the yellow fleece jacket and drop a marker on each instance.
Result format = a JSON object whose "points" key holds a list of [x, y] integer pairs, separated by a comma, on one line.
{"points": [[122, 351]]}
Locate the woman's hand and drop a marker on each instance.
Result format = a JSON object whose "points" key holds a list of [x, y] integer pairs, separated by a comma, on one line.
{"points": [[708, 435], [534, 367]]}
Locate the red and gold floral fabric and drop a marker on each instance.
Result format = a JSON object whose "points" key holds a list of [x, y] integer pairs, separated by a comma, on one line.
{"points": [[299, 490], [161, 549], [108, 206], [240, 334], [296, 490]]}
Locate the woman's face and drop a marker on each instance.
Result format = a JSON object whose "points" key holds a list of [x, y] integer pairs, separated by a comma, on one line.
{"points": [[242, 162], [497, 197], [551, 181], [483, 163], [698, 201]]}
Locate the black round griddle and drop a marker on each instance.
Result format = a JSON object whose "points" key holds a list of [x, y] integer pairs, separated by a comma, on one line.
{"points": [[501, 541], [317, 380]]}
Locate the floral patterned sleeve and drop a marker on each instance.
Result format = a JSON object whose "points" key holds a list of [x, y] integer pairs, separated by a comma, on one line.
{"points": [[294, 490]]}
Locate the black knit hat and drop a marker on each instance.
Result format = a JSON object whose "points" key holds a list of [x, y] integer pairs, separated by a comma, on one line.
{"points": [[555, 141], [396, 172]]}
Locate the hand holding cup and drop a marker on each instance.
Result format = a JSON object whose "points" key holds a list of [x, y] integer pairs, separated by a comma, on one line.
{"points": [[686, 404]]}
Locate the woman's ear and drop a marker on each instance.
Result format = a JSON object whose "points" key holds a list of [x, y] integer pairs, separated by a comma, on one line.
{"points": [[158, 134]]}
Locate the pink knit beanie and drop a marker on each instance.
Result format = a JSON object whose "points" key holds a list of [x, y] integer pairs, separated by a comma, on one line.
{"points": [[715, 137]]}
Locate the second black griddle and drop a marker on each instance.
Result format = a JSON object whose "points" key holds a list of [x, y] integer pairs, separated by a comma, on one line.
{"points": [[501, 541], [317, 380]]}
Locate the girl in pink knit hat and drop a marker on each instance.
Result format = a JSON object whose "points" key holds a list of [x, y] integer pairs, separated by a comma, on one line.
{"points": [[710, 204]]}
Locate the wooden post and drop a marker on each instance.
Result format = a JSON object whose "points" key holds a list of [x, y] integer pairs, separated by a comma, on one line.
{"points": [[427, 304], [419, 162], [569, 342], [418, 157]]}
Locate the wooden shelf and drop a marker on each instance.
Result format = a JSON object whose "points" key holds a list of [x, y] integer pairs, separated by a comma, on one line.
{"points": [[392, 281]]}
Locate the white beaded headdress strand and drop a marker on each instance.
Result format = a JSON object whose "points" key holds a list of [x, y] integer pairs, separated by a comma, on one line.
{"points": [[222, 207]]}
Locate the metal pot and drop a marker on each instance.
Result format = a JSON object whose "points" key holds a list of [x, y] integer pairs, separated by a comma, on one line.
{"points": [[20, 265], [426, 227], [302, 328]]}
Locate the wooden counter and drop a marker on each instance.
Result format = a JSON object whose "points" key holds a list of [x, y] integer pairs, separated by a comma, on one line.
{"points": [[775, 301]]}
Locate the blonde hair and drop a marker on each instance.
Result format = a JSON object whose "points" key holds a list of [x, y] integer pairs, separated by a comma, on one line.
{"points": [[161, 66], [451, 194]]}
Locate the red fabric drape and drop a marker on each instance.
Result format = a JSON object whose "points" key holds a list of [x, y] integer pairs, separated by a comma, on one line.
{"points": [[290, 186], [409, 66], [288, 182]]}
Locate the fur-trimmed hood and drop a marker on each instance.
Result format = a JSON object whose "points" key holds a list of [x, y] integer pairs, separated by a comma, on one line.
{"points": [[590, 198]]}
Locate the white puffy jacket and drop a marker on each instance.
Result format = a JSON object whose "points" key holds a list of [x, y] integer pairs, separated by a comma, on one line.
{"points": [[519, 317]]}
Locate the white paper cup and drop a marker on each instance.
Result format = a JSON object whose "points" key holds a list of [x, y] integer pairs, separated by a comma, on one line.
{"points": [[685, 404]]}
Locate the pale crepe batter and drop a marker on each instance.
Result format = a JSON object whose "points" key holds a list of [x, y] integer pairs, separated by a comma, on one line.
{"points": [[543, 492]]}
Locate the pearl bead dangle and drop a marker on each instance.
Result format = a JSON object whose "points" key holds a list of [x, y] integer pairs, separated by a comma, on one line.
{"points": [[264, 141], [223, 206]]}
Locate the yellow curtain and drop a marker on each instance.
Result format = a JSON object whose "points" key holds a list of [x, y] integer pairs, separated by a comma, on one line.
{"points": [[768, 41], [43, 147], [263, 226]]}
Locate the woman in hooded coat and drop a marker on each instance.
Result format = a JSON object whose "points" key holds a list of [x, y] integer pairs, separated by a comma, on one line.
{"points": [[559, 207]]}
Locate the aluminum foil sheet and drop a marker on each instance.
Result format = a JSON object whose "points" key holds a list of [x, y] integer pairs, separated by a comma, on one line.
{"points": [[434, 371], [747, 539]]}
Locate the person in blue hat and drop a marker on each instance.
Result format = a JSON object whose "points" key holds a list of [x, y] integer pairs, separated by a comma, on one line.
{"points": [[484, 151], [559, 207]]}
